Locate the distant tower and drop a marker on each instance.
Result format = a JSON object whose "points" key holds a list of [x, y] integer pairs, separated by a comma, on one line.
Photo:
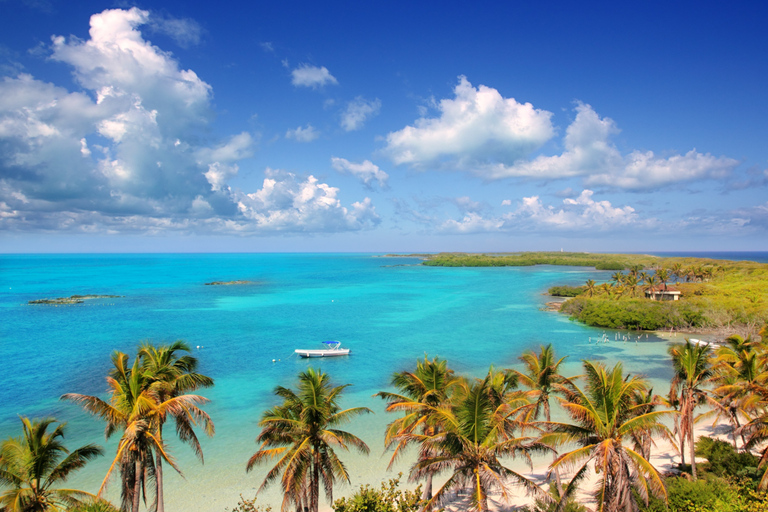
{"points": [[561, 249]]}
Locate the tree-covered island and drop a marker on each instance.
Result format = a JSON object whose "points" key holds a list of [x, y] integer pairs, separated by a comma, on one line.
{"points": [[648, 292]]}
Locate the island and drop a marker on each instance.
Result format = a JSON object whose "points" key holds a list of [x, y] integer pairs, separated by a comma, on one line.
{"points": [[73, 299], [647, 292]]}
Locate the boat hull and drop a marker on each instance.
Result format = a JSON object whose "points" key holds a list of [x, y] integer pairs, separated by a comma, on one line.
{"points": [[322, 353]]}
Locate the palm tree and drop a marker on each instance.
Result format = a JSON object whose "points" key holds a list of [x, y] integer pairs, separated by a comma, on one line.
{"points": [[757, 430], [645, 401], [741, 381], [474, 435], [695, 273], [652, 281], [692, 370], [631, 284], [590, 287], [420, 394], [171, 376], [543, 379], [502, 389], [605, 417], [663, 275], [135, 409], [301, 433], [678, 271], [34, 464], [618, 277]]}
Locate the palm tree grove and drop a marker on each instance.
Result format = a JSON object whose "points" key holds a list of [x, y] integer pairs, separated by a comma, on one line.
{"points": [[562, 442]]}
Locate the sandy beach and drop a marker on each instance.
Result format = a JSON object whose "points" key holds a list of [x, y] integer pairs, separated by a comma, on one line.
{"points": [[664, 457]]}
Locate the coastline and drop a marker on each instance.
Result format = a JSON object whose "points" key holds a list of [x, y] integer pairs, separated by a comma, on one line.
{"points": [[390, 316]]}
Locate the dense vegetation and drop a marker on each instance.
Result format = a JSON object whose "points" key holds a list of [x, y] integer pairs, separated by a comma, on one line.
{"points": [[715, 293], [566, 291], [525, 259]]}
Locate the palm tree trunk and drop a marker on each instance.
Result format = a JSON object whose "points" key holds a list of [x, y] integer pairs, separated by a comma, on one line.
{"points": [[427, 494], [159, 471], [314, 485], [693, 448], [647, 443], [482, 497], [137, 487], [558, 480]]}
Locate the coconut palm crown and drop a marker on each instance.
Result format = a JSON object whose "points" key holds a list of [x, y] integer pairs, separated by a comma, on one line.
{"points": [[34, 465], [301, 433], [170, 376], [475, 433], [421, 393]]}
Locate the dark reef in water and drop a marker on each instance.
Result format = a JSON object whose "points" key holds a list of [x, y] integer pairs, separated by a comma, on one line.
{"points": [[74, 299], [227, 283]]}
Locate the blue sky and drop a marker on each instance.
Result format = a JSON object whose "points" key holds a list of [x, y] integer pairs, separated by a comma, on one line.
{"points": [[383, 126]]}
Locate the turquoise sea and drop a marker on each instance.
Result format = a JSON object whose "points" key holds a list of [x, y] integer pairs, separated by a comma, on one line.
{"points": [[389, 311]]}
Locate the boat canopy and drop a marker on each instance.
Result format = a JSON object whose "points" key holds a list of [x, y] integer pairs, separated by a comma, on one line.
{"points": [[332, 344]]}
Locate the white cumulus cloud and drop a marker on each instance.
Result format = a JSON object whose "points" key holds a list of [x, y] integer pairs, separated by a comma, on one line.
{"points": [[303, 134], [288, 203], [358, 111], [580, 215], [367, 171], [477, 126], [590, 154], [128, 153], [312, 76], [472, 222]]}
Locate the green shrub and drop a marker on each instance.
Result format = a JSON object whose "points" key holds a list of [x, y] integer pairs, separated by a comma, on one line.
{"points": [[633, 313], [610, 265], [95, 506], [566, 291], [386, 499], [704, 495], [723, 459], [245, 505]]}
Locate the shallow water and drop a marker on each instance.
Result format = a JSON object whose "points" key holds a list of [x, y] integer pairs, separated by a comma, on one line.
{"points": [[388, 311]]}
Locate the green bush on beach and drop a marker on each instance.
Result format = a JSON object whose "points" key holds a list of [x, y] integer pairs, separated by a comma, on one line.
{"points": [[388, 498], [723, 459]]}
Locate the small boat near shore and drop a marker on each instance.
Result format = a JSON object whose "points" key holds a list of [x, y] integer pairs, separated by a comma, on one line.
{"points": [[333, 348]]}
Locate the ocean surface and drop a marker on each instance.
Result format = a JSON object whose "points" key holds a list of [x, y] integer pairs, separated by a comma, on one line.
{"points": [[389, 311]]}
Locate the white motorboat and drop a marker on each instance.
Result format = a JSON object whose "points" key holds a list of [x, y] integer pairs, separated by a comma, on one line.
{"points": [[333, 348]]}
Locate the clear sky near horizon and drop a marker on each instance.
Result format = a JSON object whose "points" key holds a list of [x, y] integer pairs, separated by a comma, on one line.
{"points": [[383, 126]]}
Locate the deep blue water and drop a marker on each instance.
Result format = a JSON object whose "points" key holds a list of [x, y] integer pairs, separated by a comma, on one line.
{"points": [[389, 311], [758, 256]]}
